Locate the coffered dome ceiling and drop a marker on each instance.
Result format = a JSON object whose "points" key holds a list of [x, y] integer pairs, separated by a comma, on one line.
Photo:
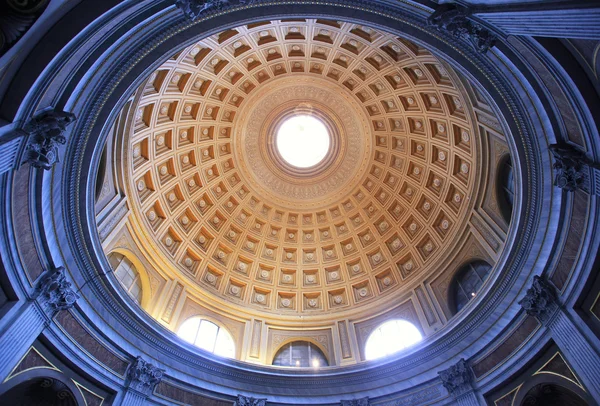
{"points": [[216, 208]]}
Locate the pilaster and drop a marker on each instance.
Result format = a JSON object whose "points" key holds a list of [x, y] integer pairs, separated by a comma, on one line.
{"points": [[142, 378], [458, 381], [542, 302], [52, 294]]}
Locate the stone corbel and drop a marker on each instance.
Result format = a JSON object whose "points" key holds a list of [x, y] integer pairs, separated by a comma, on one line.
{"points": [[457, 21], [54, 293], [248, 401], [46, 133], [572, 168], [458, 379], [193, 9], [143, 377], [540, 301]]}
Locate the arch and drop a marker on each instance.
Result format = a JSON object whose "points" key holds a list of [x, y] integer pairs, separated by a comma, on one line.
{"points": [[390, 337], [328, 357], [551, 390], [218, 341], [311, 345], [505, 187], [50, 380], [466, 282], [141, 270]]}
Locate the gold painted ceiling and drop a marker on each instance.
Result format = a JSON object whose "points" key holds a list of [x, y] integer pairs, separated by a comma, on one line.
{"points": [[218, 211]]}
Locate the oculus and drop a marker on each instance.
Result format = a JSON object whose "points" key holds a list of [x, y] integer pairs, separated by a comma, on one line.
{"points": [[302, 141]]}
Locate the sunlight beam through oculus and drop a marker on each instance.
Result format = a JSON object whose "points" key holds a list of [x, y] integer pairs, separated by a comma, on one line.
{"points": [[302, 141]]}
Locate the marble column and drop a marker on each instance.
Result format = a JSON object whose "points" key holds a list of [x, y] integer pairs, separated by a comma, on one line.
{"points": [[142, 378], [542, 302], [458, 381], [52, 294]]}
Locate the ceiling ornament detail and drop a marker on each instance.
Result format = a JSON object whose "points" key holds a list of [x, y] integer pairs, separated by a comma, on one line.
{"points": [[229, 221]]}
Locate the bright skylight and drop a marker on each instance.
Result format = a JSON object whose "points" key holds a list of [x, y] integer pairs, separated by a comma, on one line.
{"points": [[302, 141], [208, 336], [391, 337]]}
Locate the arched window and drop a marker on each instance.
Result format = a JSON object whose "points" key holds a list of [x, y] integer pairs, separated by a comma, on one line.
{"points": [[301, 354], [506, 188], [391, 337], [208, 336], [467, 282], [127, 275]]}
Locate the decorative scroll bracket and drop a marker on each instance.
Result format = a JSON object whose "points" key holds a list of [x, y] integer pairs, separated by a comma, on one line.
{"points": [[46, 133], [54, 292], [572, 168], [143, 376], [193, 9], [456, 20], [458, 379], [540, 300], [248, 401]]}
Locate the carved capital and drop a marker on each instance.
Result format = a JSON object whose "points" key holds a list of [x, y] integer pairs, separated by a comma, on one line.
{"points": [[457, 379], [540, 300], [46, 133], [248, 401], [55, 292], [456, 21], [570, 167], [356, 402], [193, 9], [143, 376]]}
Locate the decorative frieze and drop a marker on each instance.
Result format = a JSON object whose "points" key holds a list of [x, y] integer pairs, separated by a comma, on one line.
{"points": [[248, 401], [456, 21]]}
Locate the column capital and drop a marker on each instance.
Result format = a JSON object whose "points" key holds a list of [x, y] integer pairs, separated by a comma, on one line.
{"points": [[356, 402], [457, 21], [540, 300], [193, 9], [54, 293], [46, 133], [458, 379], [143, 377], [248, 401]]}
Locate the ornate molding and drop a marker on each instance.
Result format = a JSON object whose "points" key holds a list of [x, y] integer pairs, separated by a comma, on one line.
{"points": [[456, 21], [458, 379], [356, 402], [193, 9], [571, 167], [54, 291], [248, 401], [46, 133], [540, 300], [143, 376]]}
